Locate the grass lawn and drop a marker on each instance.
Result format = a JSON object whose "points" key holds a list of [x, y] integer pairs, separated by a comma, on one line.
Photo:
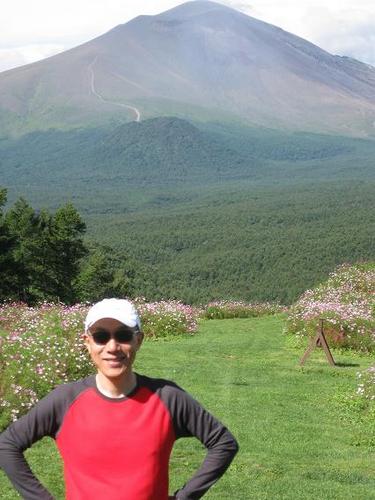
{"points": [[294, 441]]}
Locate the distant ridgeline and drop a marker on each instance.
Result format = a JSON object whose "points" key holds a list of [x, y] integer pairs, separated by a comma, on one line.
{"points": [[205, 211]]}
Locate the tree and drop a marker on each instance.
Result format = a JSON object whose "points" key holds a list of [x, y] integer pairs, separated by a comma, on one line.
{"points": [[104, 273], [47, 251], [67, 250], [8, 265], [23, 224], [43, 257]]}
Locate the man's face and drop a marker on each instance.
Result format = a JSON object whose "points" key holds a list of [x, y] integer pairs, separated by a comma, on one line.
{"points": [[114, 360]]}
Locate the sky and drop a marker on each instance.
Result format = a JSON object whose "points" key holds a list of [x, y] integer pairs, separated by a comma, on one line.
{"points": [[34, 29]]}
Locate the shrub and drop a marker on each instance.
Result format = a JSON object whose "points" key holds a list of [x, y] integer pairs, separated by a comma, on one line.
{"points": [[345, 302], [166, 319], [359, 408], [40, 348], [227, 309], [366, 386]]}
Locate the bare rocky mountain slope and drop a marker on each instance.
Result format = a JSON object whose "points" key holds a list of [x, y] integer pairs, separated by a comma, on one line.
{"points": [[200, 60]]}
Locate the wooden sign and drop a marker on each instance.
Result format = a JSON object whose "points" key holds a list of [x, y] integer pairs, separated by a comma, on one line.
{"points": [[318, 341]]}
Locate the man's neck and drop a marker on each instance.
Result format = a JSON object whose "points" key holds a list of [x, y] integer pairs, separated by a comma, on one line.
{"points": [[115, 388]]}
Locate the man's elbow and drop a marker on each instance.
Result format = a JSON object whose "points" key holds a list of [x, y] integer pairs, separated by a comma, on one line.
{"points": [[234, 447]]}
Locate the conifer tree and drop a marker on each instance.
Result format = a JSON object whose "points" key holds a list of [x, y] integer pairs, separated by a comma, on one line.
{"points": [[8, 266], [104, 273], [47, 250], [22, 222], [67, 250]]}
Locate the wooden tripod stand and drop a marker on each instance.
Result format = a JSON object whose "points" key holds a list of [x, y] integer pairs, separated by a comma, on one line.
{"points": [[318, 341]]}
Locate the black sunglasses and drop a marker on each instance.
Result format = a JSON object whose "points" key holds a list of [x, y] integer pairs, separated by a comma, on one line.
{"points": [[102, 337]]}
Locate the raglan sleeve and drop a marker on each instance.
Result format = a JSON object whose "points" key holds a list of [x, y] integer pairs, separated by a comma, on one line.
{"points": [[40, 421], [191, 419]]}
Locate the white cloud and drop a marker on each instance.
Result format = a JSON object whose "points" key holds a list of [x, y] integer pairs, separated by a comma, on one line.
{"points": [[17, 56], [348, 31], [340, 27], [43, 20], [10, 58], [30, 29]]}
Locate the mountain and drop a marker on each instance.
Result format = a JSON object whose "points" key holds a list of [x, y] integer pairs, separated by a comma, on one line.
{"points": [[167, 153], [201, 61]]}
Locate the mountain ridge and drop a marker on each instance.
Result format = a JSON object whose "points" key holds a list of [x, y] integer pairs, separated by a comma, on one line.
{"points": [[202, 61]]}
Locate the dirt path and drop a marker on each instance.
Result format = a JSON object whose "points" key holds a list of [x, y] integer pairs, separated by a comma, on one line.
{"points": [[90, 69]]}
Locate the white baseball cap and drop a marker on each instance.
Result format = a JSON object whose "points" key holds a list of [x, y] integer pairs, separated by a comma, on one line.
{"points": [[119, 309]]}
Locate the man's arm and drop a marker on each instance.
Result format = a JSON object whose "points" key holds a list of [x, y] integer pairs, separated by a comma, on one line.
{"points": [[18, 471], [191, 419], [40, 421]]}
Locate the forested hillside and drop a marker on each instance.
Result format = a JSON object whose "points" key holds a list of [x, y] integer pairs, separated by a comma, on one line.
{"points": [[255, 244], [207, 211], [170, 152]]}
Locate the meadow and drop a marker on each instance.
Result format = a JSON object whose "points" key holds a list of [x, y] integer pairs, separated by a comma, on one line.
{"points": [[304, 432], [298, 436]]}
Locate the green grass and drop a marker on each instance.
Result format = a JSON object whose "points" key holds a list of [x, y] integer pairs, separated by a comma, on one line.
{"points": [[295, 440]]}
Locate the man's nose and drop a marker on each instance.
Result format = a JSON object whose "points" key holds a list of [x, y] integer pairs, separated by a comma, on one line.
{"points": [[112, 345]]}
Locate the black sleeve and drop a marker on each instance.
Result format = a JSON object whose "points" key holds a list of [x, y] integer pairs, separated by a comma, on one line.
{"points": [[191, 419], [19, 436], [42, 420]]}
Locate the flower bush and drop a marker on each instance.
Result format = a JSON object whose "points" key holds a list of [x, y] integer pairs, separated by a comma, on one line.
{"points": [[345, 302], [166, 319], [358, 408], [42, 347], [226, 309], [366, 386]]}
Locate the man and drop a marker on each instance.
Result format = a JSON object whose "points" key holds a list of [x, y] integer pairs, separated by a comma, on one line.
{"points": [[115, 430]]}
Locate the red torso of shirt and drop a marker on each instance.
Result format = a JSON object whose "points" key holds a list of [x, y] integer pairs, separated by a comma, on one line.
{"points": [[118, 449]]}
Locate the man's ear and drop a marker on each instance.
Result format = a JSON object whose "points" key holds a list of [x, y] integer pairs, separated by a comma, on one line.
{"points": [[86, 341]]}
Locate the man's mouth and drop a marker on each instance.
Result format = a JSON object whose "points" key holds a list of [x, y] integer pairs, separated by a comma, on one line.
{"points": [[114, 361]]}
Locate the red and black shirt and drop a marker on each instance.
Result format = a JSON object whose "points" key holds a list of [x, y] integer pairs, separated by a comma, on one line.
{"points": [[117, 449]]}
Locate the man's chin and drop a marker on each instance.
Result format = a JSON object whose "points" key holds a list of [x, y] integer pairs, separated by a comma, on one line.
{"points": [[115, 372]]}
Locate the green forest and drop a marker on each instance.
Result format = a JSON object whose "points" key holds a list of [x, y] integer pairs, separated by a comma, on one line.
{"points": [[43, 257], [172, 209]]}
